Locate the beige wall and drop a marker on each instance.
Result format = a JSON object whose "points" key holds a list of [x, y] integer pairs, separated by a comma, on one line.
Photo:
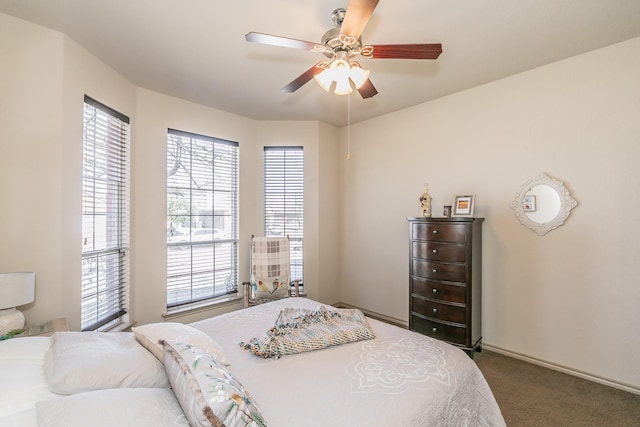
{"points": [[570, 297], [31, 99]]}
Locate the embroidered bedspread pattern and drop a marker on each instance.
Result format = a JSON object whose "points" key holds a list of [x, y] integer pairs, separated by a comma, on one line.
{"points": [[298, 330], [399, 378]]}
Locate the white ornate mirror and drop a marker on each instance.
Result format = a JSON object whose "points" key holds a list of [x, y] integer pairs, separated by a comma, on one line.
{"points": [[542, 204]]}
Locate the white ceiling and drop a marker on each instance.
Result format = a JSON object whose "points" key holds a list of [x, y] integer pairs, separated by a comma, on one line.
{"points": [[196, 50]]}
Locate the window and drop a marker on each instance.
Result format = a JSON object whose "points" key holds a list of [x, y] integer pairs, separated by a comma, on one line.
{"points": [[202, 217], [284, 200], [105, 216]]}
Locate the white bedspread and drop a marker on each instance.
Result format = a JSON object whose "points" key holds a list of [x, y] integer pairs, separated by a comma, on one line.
{"points": [[22, 380], [398, 379]]}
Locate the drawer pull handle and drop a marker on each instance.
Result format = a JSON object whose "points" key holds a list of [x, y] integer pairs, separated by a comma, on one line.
{"points": [[435, 251], [435, 270], [434, 329], [435, 310], [435, 231], [435, 291]]}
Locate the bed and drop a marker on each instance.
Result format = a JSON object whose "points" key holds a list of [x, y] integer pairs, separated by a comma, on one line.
{"points": [[398, 378]]}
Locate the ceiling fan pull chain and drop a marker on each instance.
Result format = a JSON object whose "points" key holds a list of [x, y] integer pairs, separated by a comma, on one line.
{"points": [[349, 127]]}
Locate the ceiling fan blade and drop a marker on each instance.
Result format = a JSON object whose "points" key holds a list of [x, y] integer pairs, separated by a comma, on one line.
{"points": [[357, 16], [279, 41], [367, 90], [303, 78], [406, 51]]}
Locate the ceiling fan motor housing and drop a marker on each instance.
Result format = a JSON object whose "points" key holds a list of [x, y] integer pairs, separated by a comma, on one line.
{"points": [[338, 16], [333, 42]]}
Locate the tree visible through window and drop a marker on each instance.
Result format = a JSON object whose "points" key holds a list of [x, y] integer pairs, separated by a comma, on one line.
{"points": [[284, 201], [105, 215], [202, 217]]}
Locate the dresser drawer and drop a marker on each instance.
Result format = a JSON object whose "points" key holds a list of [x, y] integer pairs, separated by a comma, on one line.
{"points": [[439, 271], [439, 311], [439, 232], [438, 291], [438, 251], [441, 331]]}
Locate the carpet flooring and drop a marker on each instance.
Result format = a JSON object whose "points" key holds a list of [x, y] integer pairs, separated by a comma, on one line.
{"points": [[531, 395]]}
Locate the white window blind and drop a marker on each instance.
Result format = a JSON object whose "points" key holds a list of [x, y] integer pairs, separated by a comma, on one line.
{"points": [[105, 215], [202, 217], [284, 201]]}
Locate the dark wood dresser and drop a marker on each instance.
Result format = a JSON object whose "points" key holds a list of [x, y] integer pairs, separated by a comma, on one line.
{"points": [[445, 282]]}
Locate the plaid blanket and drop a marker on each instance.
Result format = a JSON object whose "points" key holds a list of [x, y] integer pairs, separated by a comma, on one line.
{"points": [[270, 267], [298, 330], [270, 257]]}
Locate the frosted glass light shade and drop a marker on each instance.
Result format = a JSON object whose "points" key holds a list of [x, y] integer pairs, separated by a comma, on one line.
{"points": [[340, 75], [358, 75], [343, 87], [325, 79]]}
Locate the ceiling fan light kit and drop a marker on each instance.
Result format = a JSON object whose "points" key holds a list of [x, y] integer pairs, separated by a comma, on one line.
{"points": [[340, 74]]}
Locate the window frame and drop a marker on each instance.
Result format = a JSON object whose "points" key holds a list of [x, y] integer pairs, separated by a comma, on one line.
{"points": [[194, 279], [283, 169], [104, 292]]}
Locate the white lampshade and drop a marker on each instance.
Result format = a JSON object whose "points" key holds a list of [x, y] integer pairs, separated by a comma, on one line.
{"points": [[16, 289]]}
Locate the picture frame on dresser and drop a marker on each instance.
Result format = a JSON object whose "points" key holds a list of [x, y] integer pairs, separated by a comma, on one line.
{"points": [[463, 206]]}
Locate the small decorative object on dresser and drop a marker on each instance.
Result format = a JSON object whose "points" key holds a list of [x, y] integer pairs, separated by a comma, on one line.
{"points": [[425, 202], [447, 211], [445, 279]]}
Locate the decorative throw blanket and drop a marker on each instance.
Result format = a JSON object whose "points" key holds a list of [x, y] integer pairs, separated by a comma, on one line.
{"points": [[270, 267], [270, 256], [298, 330]]}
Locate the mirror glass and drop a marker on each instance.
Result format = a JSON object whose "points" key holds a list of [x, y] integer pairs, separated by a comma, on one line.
{"points": [[543, 204]]}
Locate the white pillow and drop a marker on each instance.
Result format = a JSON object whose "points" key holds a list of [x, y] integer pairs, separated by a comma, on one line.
{"points": [[86, 361], [21, 375], [150, 335], [139, 407], [208, 394]]}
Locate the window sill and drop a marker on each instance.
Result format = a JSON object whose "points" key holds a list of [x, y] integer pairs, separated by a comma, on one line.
{"points": [[201, 306], [118, 327]]}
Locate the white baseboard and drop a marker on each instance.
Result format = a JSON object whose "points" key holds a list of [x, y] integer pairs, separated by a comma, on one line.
{"points": [[374, 315], [563, 369]]}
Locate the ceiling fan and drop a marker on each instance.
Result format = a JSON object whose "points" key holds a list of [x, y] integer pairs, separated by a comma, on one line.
{"points": [[340, 73]]}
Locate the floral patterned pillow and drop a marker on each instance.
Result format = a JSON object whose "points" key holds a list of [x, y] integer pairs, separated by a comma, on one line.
{"points": [[208, 394], [270, 287]]}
